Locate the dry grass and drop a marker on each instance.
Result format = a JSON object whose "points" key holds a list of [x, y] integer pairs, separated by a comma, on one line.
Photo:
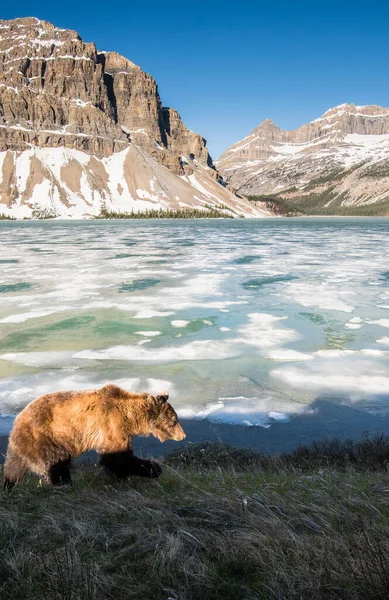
{"points": [[212, 530], [369, 453]]}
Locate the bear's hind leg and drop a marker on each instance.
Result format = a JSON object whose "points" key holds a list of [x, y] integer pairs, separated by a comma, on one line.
{"points": [[59, 473], [14, 469], [123, 464]]}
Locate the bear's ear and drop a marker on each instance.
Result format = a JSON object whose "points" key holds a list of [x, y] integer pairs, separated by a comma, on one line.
{"points": [[164, 397]]}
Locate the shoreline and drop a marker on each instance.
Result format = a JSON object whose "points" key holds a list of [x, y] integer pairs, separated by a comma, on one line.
{"points": [[261, 218], [328, 421]]}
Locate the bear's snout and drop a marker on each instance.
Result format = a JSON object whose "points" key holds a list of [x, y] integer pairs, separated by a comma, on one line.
{"points": [[179, 434]]}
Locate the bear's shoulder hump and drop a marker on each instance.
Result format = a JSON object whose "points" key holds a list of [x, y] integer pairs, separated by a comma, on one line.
{"points": [[111, 390]]}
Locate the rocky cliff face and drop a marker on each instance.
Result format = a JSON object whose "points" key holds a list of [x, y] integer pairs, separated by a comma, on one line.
{"points": [[56, 90], [59, 92], [336, 163]]}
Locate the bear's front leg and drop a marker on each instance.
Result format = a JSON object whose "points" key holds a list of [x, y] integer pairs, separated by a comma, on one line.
{"points": [[59, 473], [145, 468], [123, 464]]}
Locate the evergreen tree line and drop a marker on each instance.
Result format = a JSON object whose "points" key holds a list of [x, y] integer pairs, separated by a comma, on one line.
{"points": [[181, 213]]}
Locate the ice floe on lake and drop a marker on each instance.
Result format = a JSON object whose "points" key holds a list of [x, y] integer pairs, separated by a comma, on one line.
{"points": [[221, 310], [240, 410]]}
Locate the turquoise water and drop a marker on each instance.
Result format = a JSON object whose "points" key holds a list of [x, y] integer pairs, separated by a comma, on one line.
{"points": [[243, 321]]}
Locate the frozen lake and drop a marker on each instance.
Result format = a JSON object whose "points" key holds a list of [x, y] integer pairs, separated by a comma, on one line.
{"points": [[245, 322]]}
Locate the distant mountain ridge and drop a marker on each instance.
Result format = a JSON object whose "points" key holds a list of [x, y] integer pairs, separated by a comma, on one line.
{"points": [[81, 129], [337, 163]]}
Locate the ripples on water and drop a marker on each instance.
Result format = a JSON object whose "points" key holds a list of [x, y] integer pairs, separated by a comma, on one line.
{"points": [[243, 321]]}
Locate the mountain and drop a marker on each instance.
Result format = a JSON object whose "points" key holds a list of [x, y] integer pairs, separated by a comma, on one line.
{"points": [[337, 164], [82, 130]]}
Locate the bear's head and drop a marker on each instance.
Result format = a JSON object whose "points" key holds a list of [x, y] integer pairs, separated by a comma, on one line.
{"points": [[164, 423]]}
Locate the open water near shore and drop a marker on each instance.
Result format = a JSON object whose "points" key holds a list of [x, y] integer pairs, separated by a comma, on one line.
{"points": [[242, 321]]}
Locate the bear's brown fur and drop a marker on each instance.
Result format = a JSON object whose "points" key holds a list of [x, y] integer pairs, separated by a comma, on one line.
{"points": [[56, 427]]}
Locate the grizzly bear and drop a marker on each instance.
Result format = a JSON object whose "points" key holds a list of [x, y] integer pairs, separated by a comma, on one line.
{"points": [[56, 427]]}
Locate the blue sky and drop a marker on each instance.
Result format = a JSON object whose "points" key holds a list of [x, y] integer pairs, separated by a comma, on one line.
{"points": [[227, 66]]}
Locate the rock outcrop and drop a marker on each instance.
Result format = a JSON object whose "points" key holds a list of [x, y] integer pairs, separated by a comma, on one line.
{"points": [[58, 92], [337, 163]]}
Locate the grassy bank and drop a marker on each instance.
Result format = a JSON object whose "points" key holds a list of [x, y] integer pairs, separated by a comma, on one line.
{"points": [[219, 523]]}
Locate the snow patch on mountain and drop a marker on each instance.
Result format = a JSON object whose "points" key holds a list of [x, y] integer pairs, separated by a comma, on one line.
{"points": [[68, 183]]}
